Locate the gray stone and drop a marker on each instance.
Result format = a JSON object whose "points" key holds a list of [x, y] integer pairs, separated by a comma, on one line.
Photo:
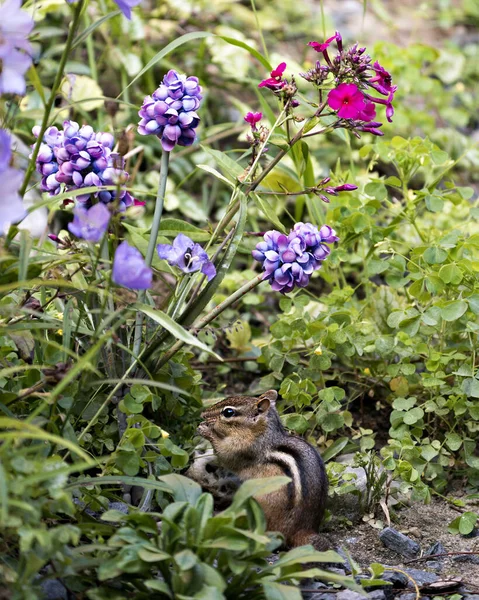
{"points": [[121, 506], [349, 595], [420, 577], [377, 595], [54, 590], [471, 597], [347, 565], [412, 597], [398, 580], [400, 543], [436, 548], [435, 565], [471, 558]]}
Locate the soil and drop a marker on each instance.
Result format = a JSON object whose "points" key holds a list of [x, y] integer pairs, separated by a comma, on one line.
{"points": [[426, 524]]}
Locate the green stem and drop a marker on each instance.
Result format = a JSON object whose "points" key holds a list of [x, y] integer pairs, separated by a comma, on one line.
{"points": [[204, 321], [51, 100], [155, 227]]}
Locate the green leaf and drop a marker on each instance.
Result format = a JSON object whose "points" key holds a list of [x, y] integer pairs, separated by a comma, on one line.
{"points": [[277, 591], [453, 310], [230, 168], [434, 203], [256, 487], [194, 35], [268, 211], [120, 480], [266, 64], [467, 522], [307, 554], [470, 387], [451, 274], [413, 416], [174, 328], [453, 441], [172, 227], [435, 255], [216, 174], [182, 488], [336, 447], [474, 303]]}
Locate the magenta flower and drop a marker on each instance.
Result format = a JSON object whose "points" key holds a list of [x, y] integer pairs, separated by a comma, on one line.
{"points": [[187, 256], [253, 118], [275, 81], [382, 81], [90, 224], [347, 100], [321, 47], [130, 269]]}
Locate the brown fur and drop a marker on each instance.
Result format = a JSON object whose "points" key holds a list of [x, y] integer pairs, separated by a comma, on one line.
{"points": [[254, 444]]}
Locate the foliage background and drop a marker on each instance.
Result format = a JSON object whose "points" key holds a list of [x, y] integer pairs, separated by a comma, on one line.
{"points": [[379, 353]]}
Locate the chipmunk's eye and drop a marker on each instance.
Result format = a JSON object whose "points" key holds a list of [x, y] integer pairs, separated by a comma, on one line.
{"points": [[228, 412]]}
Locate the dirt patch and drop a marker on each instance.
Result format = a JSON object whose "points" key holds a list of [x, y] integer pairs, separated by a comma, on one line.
{"points": [[426, 524]]}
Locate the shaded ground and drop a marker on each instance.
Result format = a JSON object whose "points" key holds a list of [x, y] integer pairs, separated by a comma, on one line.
{"points": [[426, 524]]}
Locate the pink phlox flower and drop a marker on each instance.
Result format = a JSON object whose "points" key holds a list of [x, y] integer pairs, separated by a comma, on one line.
{"points": [[368, 113], [275, 81], [347, 100], [321, 47], [387, 103], [253, 118], [382, 80]]}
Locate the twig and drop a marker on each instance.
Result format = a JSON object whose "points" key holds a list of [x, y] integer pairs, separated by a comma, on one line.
{"points": [[429, 556]]}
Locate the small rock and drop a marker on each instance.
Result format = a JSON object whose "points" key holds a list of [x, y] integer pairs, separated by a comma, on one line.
{"points": [[471, 597], [412, 597], [349, 595], [337, 571], [436, 548], [474, 533], [377, 595], [472, 558], [415, 531], [121, 506], [398, 580], [420, 577], [54, 590], [435, 565], [400, 543]]}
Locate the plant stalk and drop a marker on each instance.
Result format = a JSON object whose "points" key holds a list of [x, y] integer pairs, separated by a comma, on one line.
{"points": [[155, 227], [204, 321], [51, 100]]}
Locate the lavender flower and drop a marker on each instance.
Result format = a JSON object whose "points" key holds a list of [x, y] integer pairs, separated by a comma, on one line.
{"points": [[11, 206], [124, 5], [78, 157], [187, 256], [130, 269], [90, 224], [169, 113], [15, 49], [288, 261]]}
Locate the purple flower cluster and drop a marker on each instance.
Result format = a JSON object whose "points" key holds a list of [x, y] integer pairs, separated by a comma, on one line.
{"points": [[353, 76], [169, 113], [77, 157], [289, 260], [15, 50], [11, 206]]}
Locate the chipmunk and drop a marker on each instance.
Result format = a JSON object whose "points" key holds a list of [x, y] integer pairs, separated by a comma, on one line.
{"points": [[249, 439]]}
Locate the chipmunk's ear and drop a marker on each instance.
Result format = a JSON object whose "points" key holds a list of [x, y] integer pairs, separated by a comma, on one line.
{"points": [[266, 400]]}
